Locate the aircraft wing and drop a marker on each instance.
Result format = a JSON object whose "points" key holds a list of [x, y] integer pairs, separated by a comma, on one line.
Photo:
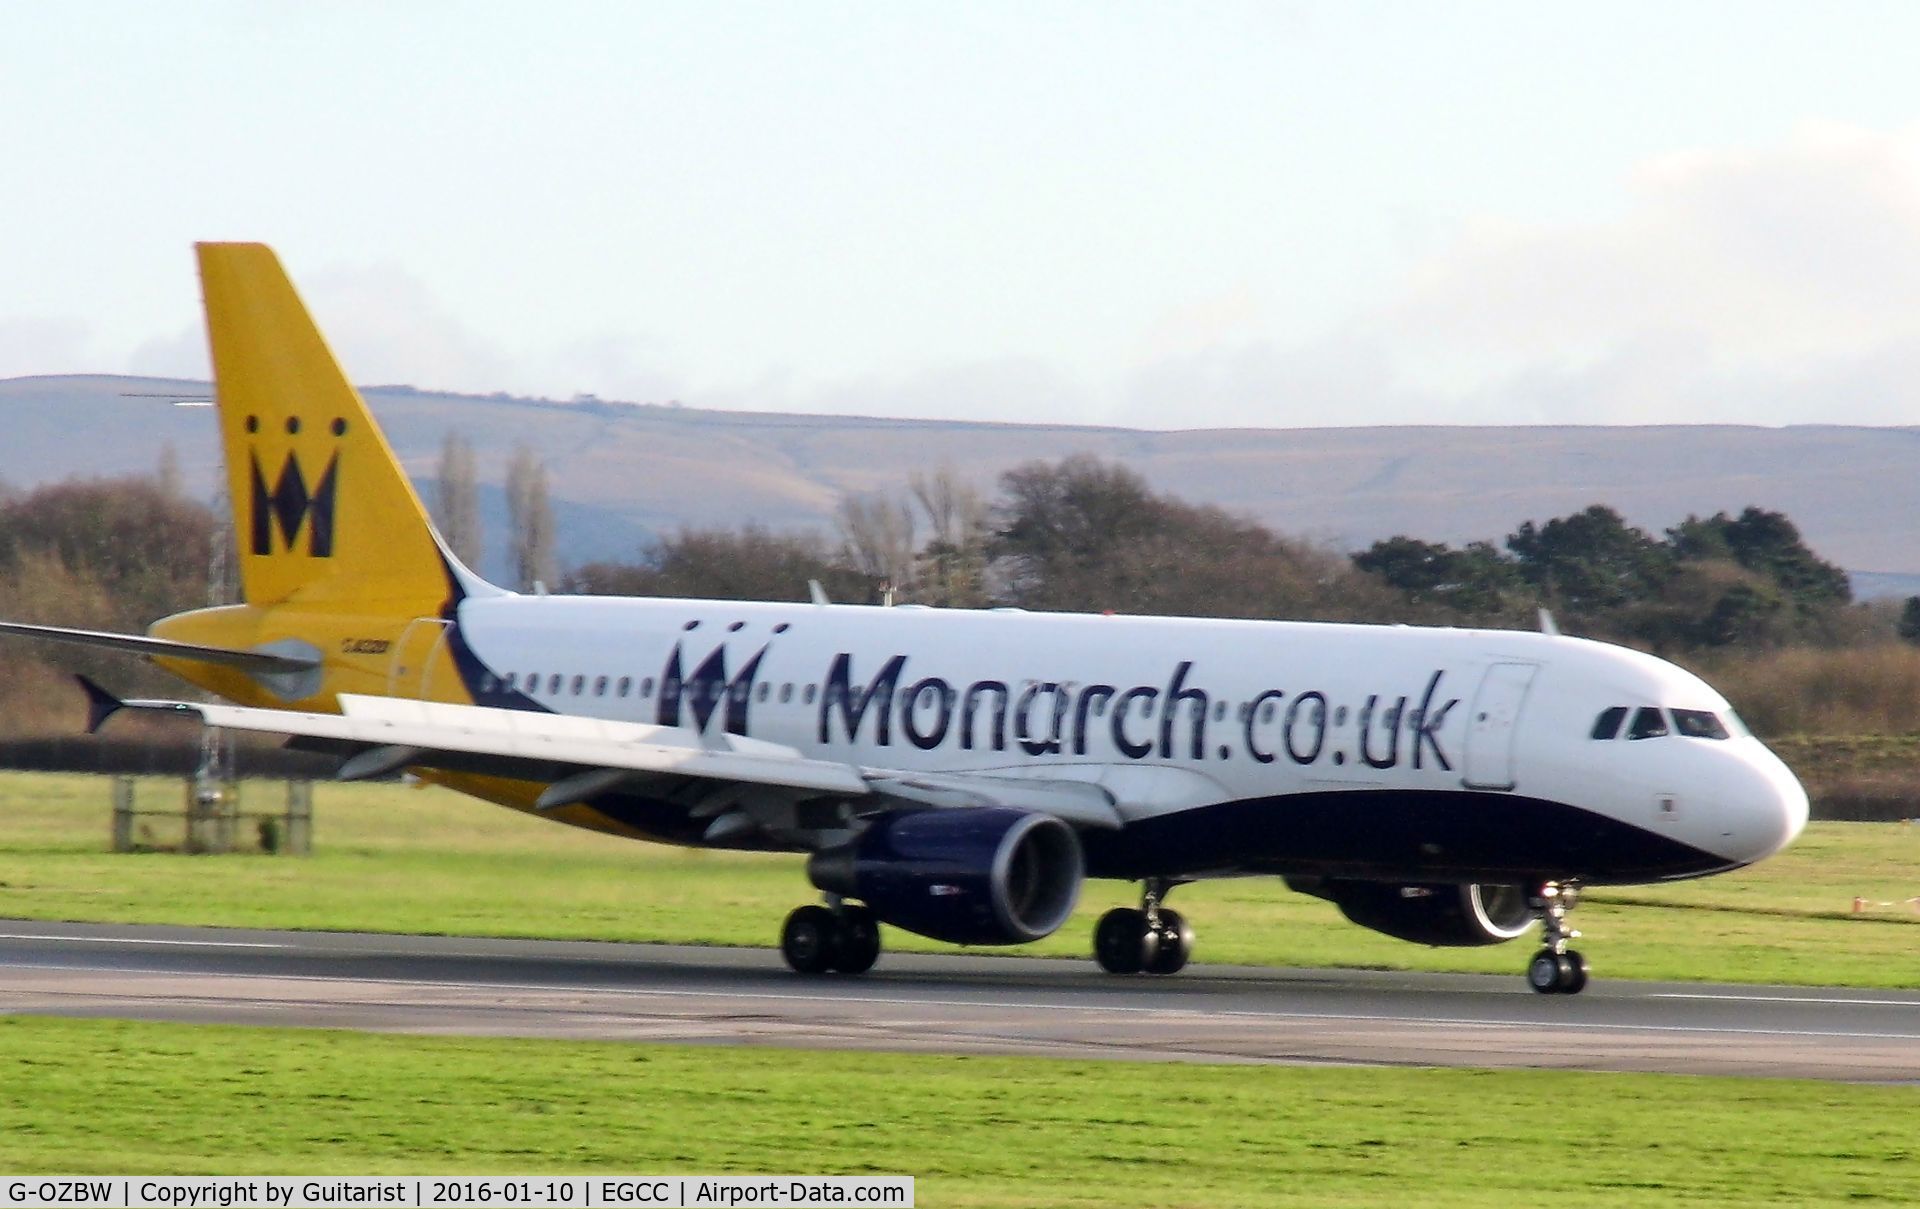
{"points": [[580, 758]]}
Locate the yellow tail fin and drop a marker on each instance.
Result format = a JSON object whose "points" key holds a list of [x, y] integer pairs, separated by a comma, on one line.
{"points": [[322, 510]]}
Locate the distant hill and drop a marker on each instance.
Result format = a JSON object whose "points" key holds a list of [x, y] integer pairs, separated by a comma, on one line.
{"points": [[620, 472]]}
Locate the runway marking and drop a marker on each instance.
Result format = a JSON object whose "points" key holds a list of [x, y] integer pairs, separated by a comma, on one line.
{"points": [[1734, 998], [140, 940], [796, 997]]}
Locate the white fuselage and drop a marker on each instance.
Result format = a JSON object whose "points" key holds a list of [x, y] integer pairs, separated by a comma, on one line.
{"points": [[1226, 745]]}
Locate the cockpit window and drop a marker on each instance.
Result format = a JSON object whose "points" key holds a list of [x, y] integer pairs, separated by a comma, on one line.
{"points": [[1698, 724], [1648, 723], [1607, 725]]}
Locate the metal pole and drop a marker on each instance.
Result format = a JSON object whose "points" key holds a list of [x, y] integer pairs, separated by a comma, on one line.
{"points": [[299, 830], [123, 814]]}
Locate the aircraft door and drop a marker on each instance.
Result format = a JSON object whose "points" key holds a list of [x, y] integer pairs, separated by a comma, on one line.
{"points": [[411, 670], [1490, 727]]}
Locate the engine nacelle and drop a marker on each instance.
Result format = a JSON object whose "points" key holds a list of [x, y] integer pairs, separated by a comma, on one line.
{"points": [[1426, 913], [990, 876]]}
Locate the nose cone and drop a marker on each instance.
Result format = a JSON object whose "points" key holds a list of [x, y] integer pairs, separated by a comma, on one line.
{"points": [[1772, 811]]}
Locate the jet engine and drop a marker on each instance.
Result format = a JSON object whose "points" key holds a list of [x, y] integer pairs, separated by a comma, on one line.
{"points": [[1427, 913], [969, 876]]}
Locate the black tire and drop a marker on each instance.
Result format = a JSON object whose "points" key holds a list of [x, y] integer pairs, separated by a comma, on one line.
{"points": [[1543, 972], [856, 941], [1175, 944], [1576, 980], [808, 940], [1119, 941]]}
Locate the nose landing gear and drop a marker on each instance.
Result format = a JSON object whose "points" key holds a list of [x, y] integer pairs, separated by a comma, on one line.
{"points": [[1556, 969], [1152, 939]]}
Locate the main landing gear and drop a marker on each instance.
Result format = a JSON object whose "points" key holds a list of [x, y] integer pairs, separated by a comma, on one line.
{"points": [[843, 938], [1556, 969], [1153, 939]]}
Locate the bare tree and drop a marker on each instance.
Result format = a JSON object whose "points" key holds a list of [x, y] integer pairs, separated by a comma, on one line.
{"points": [[456, 500], [167, 473], [876, 535], [953, 563], [530, 513]]}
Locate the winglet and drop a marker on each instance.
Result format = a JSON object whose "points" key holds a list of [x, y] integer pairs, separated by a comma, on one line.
{"points": [[101, 704]]}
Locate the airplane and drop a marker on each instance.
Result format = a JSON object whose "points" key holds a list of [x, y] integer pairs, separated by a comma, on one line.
{"points": [[956, 773]]}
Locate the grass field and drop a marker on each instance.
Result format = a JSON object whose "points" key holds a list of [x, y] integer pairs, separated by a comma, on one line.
{"points": [[115, 1097], [389, 858]]}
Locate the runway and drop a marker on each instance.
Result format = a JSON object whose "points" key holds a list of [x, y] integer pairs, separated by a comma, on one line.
{"points": [[948, 1004]]}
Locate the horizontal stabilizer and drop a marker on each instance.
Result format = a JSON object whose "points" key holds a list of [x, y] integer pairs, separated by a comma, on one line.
{"points": [[266, 662]]}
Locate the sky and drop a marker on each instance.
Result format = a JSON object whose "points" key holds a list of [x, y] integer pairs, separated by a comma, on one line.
{"points": [[1141, 214]]}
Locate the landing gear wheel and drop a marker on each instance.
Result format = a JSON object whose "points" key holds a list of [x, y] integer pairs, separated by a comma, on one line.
{"points": [[1176, 944], [1576, 967], [1555, 969], [856, 941], [1553, 973], [807, 940], [1122, 942], [1543, 972]]}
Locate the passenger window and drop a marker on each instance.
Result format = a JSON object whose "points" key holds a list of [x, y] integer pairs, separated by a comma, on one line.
{"points": [[786, 693], [600, 687], [809, 695], [1698, 724], [579, 682], [1607, 725], [646, 687], [1648, 723], [626, 685], [766, 690]]}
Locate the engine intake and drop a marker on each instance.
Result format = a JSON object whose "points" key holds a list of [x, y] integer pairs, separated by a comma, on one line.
{"points": [[985, 876], [1426, 913]]}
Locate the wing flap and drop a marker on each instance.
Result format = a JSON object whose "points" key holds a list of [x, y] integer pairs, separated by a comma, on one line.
{"points": [[431, 728], [1076, 802], [583, 757]]}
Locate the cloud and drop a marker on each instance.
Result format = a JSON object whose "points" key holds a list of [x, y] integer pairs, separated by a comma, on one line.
{"points": [[40, 345], [1016, 389], [1758, 286], [386, 326]]}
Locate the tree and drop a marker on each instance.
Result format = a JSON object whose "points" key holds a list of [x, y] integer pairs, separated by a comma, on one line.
{"points": [[1476, 581], [952, 569], [530, 514], [456, 500], [148, 550], [1591, 561], [167, 474], [1061, 531], [876, 539], [1770, 545], [751, 563], [1909, 624], [1082, 534]]}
